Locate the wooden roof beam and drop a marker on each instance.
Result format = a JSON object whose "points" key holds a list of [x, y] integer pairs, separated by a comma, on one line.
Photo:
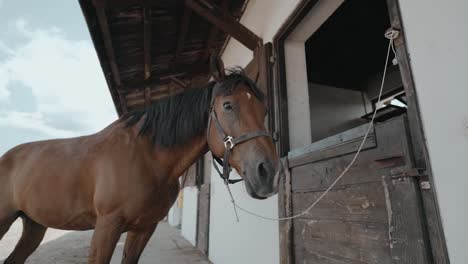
{"points": [[225, 22], [179, 71], [178, 82], [183, 29], [147, 41], [106, 36], [213, 33], [147, 50]]}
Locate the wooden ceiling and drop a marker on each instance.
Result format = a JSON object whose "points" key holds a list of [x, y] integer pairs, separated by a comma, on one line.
{"points": [[152, 49]]}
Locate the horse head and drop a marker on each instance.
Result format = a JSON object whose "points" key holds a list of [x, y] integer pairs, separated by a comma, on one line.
{"points": [[237, 131]]}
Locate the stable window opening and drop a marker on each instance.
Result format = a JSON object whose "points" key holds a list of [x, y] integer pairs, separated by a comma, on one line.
{"points": [[345, 59]]}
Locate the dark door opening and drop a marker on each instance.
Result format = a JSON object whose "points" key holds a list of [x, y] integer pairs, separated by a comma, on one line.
{"points": [[345, 59]]}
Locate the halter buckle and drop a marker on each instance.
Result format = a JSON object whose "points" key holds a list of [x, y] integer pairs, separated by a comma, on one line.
{"points": [[228, 142]]}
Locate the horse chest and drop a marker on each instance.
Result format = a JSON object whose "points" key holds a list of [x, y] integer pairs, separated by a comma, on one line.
{"points": [[156, 206]]}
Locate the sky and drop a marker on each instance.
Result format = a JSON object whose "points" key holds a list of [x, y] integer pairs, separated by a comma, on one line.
{"points": [[51, 83]]}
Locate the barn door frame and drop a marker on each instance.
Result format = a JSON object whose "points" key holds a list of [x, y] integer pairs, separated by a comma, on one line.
{"points": [[418, 145]]}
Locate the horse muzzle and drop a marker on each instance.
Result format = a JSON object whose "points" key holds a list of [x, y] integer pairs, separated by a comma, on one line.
{"points": [[263, 179]]}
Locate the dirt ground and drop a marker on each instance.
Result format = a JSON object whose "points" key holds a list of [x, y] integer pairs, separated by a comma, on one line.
{"points": [[65, 247]]}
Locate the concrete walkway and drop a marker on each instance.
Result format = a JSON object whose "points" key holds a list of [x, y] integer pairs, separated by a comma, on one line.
{"points": [[166, 246]]}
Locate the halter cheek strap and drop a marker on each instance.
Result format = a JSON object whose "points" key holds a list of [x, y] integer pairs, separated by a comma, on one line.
{"points": [[229, 143]]}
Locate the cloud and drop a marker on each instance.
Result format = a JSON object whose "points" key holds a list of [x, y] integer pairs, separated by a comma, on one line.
{"points": [[32, 121], [65, 78]]}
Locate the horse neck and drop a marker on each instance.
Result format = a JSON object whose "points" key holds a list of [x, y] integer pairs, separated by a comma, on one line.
{"points": [[182, 157]]}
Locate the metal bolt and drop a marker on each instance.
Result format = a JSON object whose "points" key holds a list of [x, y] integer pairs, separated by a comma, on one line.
{"points": [[425, 185]]}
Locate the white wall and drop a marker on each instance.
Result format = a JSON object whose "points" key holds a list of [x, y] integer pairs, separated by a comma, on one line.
{"points": [[189, 214], [334, 110], [252, 240], [174, 217], [437, 35], [296, 72]]}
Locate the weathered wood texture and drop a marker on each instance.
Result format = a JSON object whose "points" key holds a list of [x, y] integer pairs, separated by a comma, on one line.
{"points": [[225, 22], [373, 215], [260, 70], [203, 221], [285, 210], [143, 45], [204, 195], [421, 157]]}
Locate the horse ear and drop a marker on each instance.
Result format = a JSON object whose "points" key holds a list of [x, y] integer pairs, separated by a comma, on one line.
{"points": [[217, 67]]}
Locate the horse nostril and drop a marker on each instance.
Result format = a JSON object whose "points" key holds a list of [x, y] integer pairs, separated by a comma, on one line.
{"points": [[263, 170]]}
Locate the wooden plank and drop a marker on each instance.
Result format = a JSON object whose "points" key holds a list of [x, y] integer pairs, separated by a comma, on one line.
{"points": [[203, 223], [204, 198], [337, 145], [148, 96], [162, 77], [357, 202], [285, 210], [319, 175], [406, 227], [336, 241], [225, 22], [103, 24], [391, 142], [419, 147], [338, 150], [183, 29], [147, 34], [265, 82], [333, 141], [214, 31], [136, 99], [178, 82], [122, 4]]}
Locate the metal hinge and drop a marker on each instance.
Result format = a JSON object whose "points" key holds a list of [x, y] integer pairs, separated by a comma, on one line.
{"points": [[402, 172]]}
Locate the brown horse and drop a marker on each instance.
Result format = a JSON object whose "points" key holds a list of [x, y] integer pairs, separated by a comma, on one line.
{"points": [[126, 177]]}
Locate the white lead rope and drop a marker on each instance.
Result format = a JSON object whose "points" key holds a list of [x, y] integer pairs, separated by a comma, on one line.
{"points": [[390, 35]]}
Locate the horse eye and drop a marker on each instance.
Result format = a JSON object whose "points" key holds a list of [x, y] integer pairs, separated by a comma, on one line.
{"points": [[227, 105]]}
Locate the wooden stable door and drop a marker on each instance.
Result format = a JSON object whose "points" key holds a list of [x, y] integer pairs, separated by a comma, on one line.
{"points": [[373, 215]]}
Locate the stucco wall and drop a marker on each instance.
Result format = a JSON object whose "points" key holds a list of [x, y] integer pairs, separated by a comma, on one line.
{"points": [[252, 240], [437, 37], [189, 214]]}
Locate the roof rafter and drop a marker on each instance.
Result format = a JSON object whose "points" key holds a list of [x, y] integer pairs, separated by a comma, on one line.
{"points": [[213, 33], [178, 72], [147, 24], [183, 29], [225, 22], [103, 24]]}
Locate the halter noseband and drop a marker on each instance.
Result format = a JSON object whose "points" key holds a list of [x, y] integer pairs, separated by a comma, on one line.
{"points": [[229, 142]]}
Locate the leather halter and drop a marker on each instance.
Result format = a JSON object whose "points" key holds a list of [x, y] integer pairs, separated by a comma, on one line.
{"points": [[229, 142]]}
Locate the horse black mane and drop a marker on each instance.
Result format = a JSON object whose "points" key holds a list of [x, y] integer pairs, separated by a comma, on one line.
{"points": [[177, 119]]}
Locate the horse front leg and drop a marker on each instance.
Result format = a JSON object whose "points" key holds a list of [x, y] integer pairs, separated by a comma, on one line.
{"points": [[136, 243], [107, 232]]}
